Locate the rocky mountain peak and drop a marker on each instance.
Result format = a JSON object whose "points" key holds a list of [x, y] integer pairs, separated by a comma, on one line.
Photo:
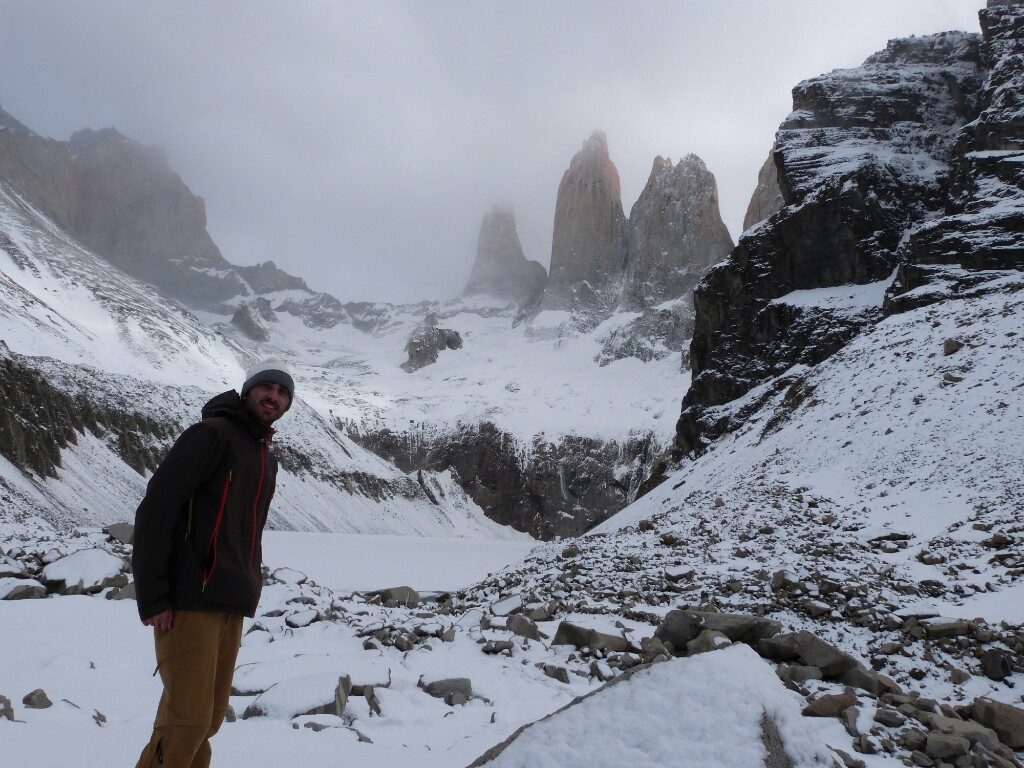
{"points": [[675, 232], [767, 198], [588, 249], [501, 269]]}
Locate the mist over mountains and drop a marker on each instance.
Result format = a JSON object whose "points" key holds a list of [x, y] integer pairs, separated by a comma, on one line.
{"points": [[816, 426]]}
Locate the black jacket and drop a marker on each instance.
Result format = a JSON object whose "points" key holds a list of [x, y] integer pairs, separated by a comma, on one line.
{"points": [[198, 530]]}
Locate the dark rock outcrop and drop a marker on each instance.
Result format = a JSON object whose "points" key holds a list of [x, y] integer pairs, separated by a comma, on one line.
{"points": [[860, 160], [550, 490], [983, 225], [247, 319], [38, 421], [675, 232], [501, 269], [268, 277], [424, 346]]}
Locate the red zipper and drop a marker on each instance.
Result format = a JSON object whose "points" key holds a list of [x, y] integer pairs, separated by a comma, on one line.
{"points": [[211, 547]]}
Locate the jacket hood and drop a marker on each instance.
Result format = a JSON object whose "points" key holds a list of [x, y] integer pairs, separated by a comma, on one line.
{"points": [[229, 405]]}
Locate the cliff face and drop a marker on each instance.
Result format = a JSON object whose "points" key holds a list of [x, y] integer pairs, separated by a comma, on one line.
{"points": [[121, 200], [501, 269], [909, 160], [139, 215], [984, 220], [588, 247], [675, 233]]}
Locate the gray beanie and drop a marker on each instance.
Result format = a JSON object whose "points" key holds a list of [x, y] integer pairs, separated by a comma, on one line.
{"points": [[273, 370]]}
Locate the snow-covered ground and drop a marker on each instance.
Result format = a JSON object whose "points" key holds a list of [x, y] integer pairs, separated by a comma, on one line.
{"points": [[94, 660], [537, 379]]}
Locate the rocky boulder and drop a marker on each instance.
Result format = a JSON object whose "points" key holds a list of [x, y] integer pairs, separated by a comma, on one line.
{"points": [[680, 627]]}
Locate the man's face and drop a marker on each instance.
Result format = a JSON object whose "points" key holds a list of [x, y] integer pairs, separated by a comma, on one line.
{"points": [[267, 402]]}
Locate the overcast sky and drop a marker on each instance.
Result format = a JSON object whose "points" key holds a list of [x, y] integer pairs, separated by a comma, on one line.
{"points": [[358, 144]]}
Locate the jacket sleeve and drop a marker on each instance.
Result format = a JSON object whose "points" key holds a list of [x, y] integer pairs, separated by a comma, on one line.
{"points": [[191, 461]]}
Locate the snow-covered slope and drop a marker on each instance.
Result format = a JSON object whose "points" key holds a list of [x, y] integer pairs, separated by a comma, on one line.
{"points": [[90, 348]]}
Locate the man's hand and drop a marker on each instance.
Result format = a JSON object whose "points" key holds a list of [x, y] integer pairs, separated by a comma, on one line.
{"points": [[163, 621]]}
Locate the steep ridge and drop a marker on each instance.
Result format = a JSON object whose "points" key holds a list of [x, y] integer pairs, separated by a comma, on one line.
{"points": [[103, 372], [863, 159]]}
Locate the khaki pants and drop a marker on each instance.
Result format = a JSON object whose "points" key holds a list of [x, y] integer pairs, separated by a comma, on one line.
{"points": [[196, 659]]}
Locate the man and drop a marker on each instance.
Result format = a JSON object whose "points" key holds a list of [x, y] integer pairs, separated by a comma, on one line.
{"points": [[198, 556]]}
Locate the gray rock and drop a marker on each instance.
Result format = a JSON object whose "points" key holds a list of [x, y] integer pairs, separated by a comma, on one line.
{"points": [[849, 761], [974, 732], [589, 242], [708, 640], [889, 717], [866, 679], [943, 746], [501, 269], [675, 233], [523, 626], [652, 648], [371, 700], [441, 688], [341, 694], [561, 674], [797, 674], [122, 532], [424, 345], [494, 647], [394, 596], [405, 642], [545, 612], [811, 649], [848, 717], [30, 590], [830, 705], [37, 699], [679, 627], [6, 708], [767, 197], [997, 664], [1006, 720], [939, 627], [583, 637], [126, 592], [775, 749]]}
